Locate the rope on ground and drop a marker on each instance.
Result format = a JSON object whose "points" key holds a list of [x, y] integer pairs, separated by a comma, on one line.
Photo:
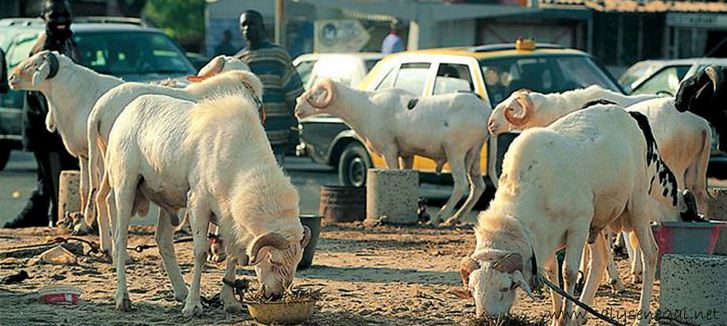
{"points": [[578, 303], [141, 248], [56, 240]]}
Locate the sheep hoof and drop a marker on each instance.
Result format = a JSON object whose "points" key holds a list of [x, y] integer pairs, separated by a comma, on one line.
{"points": [[124, 304], [617, 286], [191, 310], [233, 307], [181, 295]]}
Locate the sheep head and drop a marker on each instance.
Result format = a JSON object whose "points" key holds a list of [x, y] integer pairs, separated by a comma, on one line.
{"points": [[510, 113], [491, 277], [276, 259], [315, 100], [219, 64], [31, 72]]}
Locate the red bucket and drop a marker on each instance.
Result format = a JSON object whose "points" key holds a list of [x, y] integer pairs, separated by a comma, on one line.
{"points": [[60, 294], [687, 238]]}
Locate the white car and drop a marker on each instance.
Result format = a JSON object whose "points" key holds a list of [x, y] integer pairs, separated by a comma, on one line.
{"points": [[348, 68], [662, 76]]}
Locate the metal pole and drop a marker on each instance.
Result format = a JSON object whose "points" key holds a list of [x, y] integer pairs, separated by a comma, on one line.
{"points": [[280, 22]]}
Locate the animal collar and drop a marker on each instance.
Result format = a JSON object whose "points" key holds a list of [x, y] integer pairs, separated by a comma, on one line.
{"points": [[53, 61], [258, 102]]}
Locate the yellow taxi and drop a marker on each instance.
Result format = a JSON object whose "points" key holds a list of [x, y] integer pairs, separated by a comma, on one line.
{"points": [[491, 71]]}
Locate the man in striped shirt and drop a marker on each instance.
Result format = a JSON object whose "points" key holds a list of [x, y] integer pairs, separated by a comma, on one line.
{"points": [[281, 83]]}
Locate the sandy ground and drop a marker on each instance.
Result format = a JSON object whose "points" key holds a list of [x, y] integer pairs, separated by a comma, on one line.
{"points": [[383, 275]]}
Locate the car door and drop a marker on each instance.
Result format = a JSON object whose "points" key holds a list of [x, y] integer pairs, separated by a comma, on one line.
{"points": [[11, 104]]}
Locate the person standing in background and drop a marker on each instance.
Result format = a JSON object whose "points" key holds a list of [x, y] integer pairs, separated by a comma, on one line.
{"points": [[48, 149], [392, 43], [225, 47], [281, 83], [3, 73]]}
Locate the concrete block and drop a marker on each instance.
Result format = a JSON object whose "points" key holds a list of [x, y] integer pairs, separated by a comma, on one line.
{"points": [[693, 290], [391, 196], [718, 211], [69, 199]]}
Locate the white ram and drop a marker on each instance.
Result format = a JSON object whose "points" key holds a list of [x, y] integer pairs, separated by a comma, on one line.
{"points": [[71, 91], [400, 125], [559, 188], [110, 105], [214, 158]]}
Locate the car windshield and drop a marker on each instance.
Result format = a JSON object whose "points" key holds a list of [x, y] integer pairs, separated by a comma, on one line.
{"points": [[131, 53], [636, 72], [545, 74]]}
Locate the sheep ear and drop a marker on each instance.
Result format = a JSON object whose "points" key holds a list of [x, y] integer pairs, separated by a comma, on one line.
{"points": [[322, 94], [519, 281], [213, 67], [41, 73]]}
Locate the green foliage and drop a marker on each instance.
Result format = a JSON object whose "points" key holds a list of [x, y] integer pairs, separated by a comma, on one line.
{"points": [[178, 18]]}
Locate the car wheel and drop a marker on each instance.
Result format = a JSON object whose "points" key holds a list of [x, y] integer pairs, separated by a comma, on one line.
{"points": [[353, 165], [4, 156]]}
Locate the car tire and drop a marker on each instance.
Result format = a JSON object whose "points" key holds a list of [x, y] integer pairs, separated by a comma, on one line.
{"points": [[4, 156], [353, 165]]}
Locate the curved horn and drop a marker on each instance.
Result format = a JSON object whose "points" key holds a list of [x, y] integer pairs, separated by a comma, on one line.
{"points": [[466, 267], [306, 236], [268, 239], [213, 67], [509, 263], [524, 101], [714, 76], [326, 86]]}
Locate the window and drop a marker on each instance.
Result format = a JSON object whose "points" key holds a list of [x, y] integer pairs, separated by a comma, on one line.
{"points": [[452, 78], [304, 69], [665, 81], [388, 81], [412, 77], [546, 74], [20, 50], [131, 53]]}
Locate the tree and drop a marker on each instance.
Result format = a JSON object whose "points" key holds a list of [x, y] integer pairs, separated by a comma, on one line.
{"points": [[180, 19]]}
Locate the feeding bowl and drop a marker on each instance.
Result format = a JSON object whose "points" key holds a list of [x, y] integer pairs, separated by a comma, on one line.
{"points": [[295, 308], [280, 312]]}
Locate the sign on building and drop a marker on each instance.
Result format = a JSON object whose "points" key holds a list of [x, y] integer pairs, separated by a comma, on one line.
{"points": [[696, 20], [339, 35]]}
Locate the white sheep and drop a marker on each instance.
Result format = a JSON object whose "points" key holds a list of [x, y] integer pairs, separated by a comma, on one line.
{"points": [[525, 109], [685, 139], [559, 188], [71, 91], [110, 105], [399, 125], [212, 157]]}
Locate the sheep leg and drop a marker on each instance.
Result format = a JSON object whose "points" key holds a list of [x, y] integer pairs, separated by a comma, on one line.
{"points": [[636, 267], [164, 237], [391, 159], [227, 294], [574, 249], [614, 279], [105, 222], [553, 273], [460, 179], [406, 162], [124, 198], [199, 213], [648, 247], [597, 264], [477, 185], [82, 227]]}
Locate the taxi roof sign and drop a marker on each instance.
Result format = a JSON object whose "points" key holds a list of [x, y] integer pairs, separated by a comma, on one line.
{"points": [[525, 44]]}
